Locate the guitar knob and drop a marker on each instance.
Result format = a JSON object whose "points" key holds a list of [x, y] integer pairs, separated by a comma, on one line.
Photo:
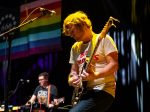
{"points": [[74, 103], [77, 98]]}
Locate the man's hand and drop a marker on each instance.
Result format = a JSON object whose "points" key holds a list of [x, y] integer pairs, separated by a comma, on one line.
{"points": [[56, 102], [50, 105], [74, 80], [88, 76], [28, 103]]}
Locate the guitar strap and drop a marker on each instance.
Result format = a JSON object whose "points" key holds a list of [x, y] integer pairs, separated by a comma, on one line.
{"points": [[88, 53], [84, 83], [92, 45], [49, 96]]}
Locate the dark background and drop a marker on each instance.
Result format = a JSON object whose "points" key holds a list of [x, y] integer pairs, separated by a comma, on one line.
{"points": [[99, 12]]}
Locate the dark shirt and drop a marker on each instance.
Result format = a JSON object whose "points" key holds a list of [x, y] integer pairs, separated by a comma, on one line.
{"points": [[42, 93]]}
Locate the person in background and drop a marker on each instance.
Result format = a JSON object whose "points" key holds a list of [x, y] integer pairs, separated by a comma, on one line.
{"points": [[45, 93], [100, 75]]}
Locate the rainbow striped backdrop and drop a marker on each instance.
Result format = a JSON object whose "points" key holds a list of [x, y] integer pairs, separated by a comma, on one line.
{"points": [[39, 36]]}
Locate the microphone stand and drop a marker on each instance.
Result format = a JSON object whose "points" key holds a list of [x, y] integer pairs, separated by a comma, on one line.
{"points": [[19, 84], [8, 72]]}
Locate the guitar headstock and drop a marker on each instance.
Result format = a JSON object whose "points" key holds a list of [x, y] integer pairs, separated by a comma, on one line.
{"points": [[112, 20], [61, 100], [108, 24]]}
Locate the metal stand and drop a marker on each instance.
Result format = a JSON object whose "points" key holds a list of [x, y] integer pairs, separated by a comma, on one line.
{"points": [[8, 72]]}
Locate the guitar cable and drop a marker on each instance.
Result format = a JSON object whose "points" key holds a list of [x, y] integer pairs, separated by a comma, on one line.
{"points": [[31, 106]]}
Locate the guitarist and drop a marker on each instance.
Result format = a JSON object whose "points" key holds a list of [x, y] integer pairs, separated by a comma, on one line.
{"points": [[45, 93], [100, 75]]}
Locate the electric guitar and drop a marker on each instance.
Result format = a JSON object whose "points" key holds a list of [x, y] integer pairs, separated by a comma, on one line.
{"points": [[78, 91]]}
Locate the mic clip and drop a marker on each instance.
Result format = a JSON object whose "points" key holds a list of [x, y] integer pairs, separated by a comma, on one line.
{"points": [[24, 81], [46, 11]]}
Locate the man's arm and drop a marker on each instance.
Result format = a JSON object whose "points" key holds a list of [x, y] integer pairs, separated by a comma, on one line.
{"points": [[31, 101], [73, 78], [110, 68]]}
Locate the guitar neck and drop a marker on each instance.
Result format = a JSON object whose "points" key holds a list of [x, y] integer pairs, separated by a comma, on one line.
{"points": [[103, 33]]}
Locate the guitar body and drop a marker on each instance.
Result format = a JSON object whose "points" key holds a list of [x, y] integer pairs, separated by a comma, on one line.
{"points": [[78, 92]]}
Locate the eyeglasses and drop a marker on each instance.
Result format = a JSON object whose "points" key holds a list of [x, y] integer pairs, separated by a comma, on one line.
{"points": [[41, 79]]}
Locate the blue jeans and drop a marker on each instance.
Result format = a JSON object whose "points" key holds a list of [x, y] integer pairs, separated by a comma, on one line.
{"points": [[94, 101]]}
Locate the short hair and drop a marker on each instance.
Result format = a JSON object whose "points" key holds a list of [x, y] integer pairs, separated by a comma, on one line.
{"points": [[45, 74], [78, 18]]}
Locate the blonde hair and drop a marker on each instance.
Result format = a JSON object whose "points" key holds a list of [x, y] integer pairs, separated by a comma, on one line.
{"points": [[79, 19]]}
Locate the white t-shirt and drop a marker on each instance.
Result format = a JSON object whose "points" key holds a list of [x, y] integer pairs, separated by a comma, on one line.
{"points": [[79, 53]]}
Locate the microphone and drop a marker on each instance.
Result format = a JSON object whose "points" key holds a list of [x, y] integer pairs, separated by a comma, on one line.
{"points": [[24, 81], [46, 11]]}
